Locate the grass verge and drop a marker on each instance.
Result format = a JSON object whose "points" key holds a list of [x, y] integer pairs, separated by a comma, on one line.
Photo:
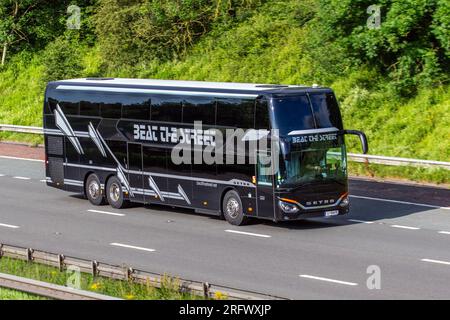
{"points": [[116, 288], [427, 175], [7, 294]]}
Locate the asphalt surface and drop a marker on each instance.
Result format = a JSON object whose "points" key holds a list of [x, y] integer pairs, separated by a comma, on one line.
{"points": [[403, 231]]}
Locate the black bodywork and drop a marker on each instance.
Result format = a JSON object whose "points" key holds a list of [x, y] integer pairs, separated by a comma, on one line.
{"points": [[89, 131]]}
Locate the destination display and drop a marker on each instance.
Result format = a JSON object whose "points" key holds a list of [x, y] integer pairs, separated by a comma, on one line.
{"points": [[323, 137]]}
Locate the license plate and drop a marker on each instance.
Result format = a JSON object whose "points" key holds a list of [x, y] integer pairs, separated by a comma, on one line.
{"points": [[331, 213]]}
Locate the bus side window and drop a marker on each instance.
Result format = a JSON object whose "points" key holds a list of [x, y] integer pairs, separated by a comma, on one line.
{"points": [[262, 114], [111, 110], [235, 113], [199, 109], [166, 109], [50, 106], [89, 109], [70, 108], [139, 110]]}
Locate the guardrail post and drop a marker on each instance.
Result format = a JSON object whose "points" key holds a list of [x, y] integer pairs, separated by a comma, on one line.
{"points": [[1, 250], [29, 254], [94, 268], [129, 274], [206, 287], [367, 166], [60, 262]]}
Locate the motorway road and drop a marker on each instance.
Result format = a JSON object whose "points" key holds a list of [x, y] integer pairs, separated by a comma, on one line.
{"points": [[403, 230]]}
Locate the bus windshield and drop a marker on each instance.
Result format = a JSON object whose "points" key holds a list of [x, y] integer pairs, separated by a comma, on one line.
{"points": [[313, 165], [304, 112]]}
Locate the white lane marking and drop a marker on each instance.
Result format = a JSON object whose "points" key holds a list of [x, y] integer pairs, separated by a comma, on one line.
{"points": [[2, 175], [404, 227], [108, 213], [401, 202], [131, 247], [328, 280], [360, 221], [444, 232], [24, 159], [43, 180], [21, 178], [436, 261], [9, 226], [249, 234]]}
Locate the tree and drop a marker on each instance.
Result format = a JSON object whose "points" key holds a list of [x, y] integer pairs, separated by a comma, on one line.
{"points": [[410, 45], [32, 23], [13, 16]]}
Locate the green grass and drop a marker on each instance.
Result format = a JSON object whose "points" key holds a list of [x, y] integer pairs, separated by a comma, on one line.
{"points": [[427, 175], [117, 288], [7, 294]]}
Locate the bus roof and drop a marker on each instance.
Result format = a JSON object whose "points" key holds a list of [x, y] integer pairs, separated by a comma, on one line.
{"points": [[108, 84]]}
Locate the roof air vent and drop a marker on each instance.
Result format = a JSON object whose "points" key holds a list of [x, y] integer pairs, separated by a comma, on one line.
{"points": [[99, 79], [271, 86]]}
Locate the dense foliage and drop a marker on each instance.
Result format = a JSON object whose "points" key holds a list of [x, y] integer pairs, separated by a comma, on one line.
{"points": [[388, 60]]}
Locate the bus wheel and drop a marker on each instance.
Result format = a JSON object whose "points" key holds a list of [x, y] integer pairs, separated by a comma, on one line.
{"points": [[93, 190], [232, 209], [114, 193]]}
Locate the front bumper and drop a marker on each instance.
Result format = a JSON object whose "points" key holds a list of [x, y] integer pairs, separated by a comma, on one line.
{"points": [[307, 214]]}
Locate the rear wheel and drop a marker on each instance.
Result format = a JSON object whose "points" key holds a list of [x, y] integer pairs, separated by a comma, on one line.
{"points": [[114, 193], [232, 209], [93, 190]]}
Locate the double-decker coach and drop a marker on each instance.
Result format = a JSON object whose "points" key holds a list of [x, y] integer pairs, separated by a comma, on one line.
{"points": [[113, 140]]}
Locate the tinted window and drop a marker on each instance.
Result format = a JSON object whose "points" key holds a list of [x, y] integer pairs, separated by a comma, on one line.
{"points": [[262, 115], [166, 109], [50, 106], [136, 108], [135, 156], [89, 109], [199, 109], [119, 149], [236, 113], [326, 111], [154, 160], [111, 110], [70, 107], [292, 113], [202, 170], [179, 169]]}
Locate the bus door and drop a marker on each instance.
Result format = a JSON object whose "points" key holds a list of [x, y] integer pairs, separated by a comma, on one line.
{"points": [[135, 175], [265, 185]]}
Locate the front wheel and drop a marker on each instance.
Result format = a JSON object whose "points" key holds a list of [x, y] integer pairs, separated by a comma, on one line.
{"points": [[232, 209], [114, 193]]}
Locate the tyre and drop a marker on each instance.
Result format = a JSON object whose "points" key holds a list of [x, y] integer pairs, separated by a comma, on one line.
{"points": [[232, 209], [93, 190], [114, 193]]}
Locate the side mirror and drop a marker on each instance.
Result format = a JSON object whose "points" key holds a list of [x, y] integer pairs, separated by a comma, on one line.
{"points": [[362, 137]]}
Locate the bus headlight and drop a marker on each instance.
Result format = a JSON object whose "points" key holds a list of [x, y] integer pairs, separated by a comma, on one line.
{"points": [[345, 202], [288, 207]]}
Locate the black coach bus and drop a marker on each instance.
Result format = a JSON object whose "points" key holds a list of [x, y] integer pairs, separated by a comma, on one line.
{"points": [[113, 140]]}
